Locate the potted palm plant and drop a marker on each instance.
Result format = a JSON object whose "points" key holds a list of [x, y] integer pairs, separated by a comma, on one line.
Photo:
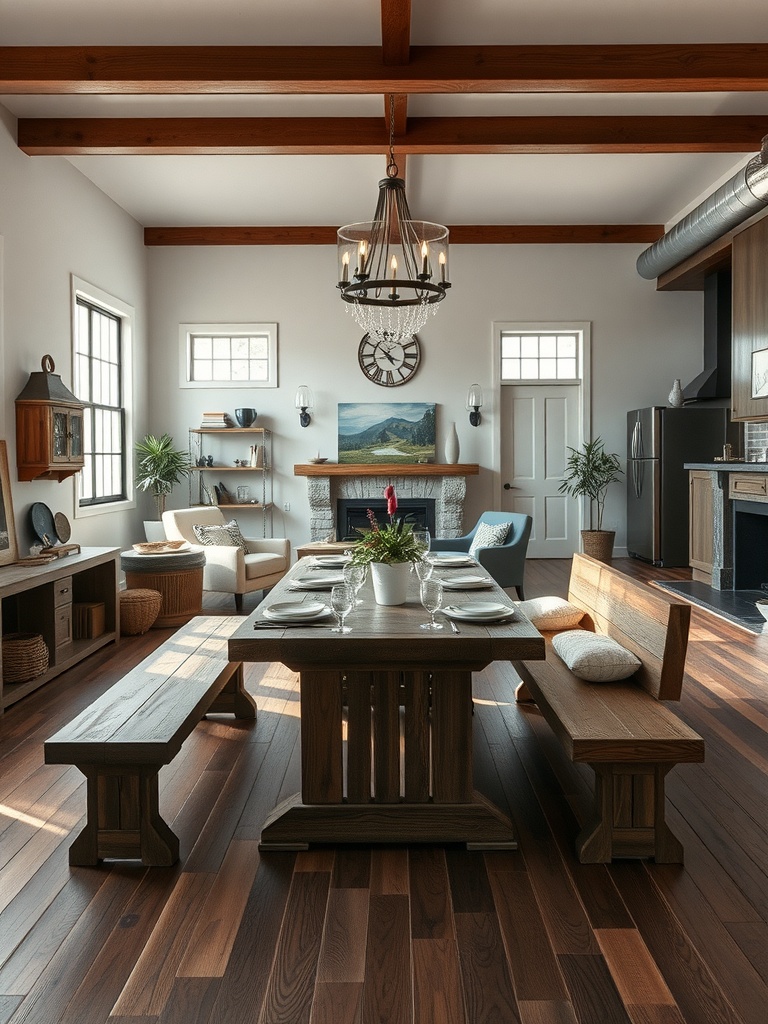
{"points": [[389, 550], [159, 467], [588, 473]]}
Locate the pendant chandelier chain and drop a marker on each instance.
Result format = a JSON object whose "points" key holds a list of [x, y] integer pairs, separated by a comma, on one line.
{"points": [[392, 168]]}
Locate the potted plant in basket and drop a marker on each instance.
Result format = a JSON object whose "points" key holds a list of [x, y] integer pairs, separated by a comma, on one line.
{"points": [[159, 467], [389, 550], [588, 473]]}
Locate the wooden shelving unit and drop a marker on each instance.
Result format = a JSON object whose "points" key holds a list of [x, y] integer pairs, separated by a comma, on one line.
{"points": [[216, 442], [34, 599]]}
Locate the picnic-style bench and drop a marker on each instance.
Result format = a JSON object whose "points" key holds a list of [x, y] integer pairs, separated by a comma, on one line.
{"points": [[123, 739], [621, 730]]}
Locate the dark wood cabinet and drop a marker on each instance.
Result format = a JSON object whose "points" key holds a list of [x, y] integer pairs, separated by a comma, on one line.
{"points": [[750, 323], [49, 441]]}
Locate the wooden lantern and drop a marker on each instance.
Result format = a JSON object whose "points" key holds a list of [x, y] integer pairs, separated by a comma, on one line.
{"points": [[49, 427]]}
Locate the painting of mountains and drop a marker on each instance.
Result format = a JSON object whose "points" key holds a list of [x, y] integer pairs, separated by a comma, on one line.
{"points": [[379, 432]]}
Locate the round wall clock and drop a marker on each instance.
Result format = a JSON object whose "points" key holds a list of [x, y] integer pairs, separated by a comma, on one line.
{"points": [[389, 363]]}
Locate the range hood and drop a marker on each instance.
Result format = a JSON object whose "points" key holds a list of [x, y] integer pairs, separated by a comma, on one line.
{"points": [[714, 381]]}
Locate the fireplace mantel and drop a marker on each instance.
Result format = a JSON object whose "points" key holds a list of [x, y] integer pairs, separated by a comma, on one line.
{"points": [[387, 469], [445, 483]]}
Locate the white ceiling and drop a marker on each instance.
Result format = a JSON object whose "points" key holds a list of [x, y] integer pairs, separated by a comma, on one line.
{"points": [[310, 190]]}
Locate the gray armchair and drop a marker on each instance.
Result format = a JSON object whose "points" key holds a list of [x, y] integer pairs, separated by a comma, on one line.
{"points": [[506, 563]]}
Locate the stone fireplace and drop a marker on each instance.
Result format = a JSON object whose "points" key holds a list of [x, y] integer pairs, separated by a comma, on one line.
{"points": [[445, 485]]}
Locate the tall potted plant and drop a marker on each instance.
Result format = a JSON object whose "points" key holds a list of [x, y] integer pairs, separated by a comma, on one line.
{"points": [[389, 550], [588, 473], [159, 467]]}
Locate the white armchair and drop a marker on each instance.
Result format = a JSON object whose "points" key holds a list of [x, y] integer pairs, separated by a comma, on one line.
{"points": [[229, 570]]}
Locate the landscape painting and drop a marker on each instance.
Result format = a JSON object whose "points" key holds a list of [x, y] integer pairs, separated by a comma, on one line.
{"points": [[373, 432]]}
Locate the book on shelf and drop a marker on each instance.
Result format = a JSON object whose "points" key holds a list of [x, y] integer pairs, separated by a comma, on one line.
{"points": [[215, 419]]}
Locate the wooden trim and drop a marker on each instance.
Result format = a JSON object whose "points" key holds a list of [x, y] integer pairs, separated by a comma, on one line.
{"points": [[461, 234], [387, 469], [718, 67], [77, 136]]}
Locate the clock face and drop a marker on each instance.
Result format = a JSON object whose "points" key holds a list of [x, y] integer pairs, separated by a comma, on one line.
{"points": [[388, 363]]}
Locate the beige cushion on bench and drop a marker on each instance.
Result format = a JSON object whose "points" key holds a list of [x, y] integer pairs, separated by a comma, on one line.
{"points": [[596, 658], [551, 613]]}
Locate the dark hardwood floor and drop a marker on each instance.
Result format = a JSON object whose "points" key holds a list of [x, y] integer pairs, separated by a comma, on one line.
{"points": [[392, 935]]}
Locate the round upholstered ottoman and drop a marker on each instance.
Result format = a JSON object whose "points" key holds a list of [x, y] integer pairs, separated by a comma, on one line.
{"points": [[177, 577], [139, 609]]}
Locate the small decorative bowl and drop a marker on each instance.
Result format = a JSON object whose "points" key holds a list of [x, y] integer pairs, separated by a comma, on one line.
{"points": [[317, 461], [762, 607]]}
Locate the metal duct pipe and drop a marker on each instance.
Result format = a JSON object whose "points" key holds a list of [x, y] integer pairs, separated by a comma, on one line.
{"points": [[743, 195]]}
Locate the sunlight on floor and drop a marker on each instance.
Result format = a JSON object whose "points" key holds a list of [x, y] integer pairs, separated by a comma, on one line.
{"points": [[27, 819]]}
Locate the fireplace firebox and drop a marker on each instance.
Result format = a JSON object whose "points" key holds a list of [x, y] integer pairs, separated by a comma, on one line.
{"points": [[750, 545], [352, 514]]}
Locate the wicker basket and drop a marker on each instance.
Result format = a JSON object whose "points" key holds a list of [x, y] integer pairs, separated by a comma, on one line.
{"points": [[138, 610], [25, 657]]}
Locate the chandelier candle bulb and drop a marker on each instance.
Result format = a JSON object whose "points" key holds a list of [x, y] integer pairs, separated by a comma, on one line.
{"points": [[393, 293], [442, 267], [345, 268], [425, 259], [362, 253]]}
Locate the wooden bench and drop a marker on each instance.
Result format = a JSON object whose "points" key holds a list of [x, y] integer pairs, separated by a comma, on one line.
{"points": [[123, 739], [621, 730]]}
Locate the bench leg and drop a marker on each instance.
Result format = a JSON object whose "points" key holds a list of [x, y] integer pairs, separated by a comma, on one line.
{"points": [[123, 819], [629, 816], [234, 698]]}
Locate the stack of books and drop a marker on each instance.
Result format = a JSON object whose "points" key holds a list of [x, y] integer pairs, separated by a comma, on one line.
{"points": [[216, 419]]}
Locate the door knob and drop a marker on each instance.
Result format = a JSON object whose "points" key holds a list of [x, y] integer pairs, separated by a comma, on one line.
{"points": [[507, 487]]}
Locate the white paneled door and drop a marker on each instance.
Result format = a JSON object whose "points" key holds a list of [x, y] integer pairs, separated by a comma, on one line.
{"points": [[538, 424]]}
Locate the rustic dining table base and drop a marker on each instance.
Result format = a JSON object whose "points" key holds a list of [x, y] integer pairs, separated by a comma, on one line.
{"points": [[386, 757]]}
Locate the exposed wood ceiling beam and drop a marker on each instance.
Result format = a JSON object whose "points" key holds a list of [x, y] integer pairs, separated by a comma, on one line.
{"points": [[327, 135], [731, 67], [395, 31], [462, 234]]}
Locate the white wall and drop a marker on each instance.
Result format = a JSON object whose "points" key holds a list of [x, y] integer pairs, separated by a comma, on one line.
{"points": [[55, 223], [641, 341]]}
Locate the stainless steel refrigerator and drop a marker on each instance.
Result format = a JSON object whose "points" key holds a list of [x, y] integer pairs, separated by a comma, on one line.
{"points": [[659, 442]]}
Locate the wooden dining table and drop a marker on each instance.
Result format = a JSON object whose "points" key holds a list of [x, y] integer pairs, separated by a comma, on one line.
{"points": [[386, 717]]}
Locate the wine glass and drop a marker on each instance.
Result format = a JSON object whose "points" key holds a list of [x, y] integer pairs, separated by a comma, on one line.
{"points": [[423, 539], [355, 576], [432, 599], [342, 603], [423, 569]]}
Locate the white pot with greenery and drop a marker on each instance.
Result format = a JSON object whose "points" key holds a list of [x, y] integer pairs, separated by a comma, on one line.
{"points": [[159, 467], [588, 474], [389, 551]]}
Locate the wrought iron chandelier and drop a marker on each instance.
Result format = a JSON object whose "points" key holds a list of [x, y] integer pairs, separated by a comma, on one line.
{"points": [[393, 270]]}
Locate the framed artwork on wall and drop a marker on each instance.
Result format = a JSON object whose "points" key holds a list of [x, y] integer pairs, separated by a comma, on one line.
{"points": [[386, 432], [9, 552], [760, 373]]}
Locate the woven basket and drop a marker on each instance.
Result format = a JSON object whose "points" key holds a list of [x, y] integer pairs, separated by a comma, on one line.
{"points": [[138, 610], [25, 657]]}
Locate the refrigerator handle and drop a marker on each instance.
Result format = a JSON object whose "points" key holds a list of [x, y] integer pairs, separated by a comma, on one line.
{"points": [[633, 443], [636, 478]]}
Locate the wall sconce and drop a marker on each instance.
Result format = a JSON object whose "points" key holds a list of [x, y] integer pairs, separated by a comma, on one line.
{"points": [[474, 402], [303, 403]]}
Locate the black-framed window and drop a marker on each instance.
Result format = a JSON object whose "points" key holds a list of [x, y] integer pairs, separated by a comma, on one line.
{"points": [[98, 377]]}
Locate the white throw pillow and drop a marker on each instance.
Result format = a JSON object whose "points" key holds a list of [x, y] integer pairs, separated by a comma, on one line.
{"points": [[226, 535], [551, 612], [489, 535], [594, 657]]}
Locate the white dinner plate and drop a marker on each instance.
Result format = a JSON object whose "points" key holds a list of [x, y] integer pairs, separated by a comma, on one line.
{"points": [[331, 560], [315, 582], [271, 616], [466, 583], [452, 560], [296, 609], [470, 613]]}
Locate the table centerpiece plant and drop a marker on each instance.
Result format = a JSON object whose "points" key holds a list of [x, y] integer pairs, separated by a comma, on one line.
{"points": [[389, 550]]}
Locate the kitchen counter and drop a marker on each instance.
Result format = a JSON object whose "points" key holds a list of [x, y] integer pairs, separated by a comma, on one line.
{"points": [[729, 467]]}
